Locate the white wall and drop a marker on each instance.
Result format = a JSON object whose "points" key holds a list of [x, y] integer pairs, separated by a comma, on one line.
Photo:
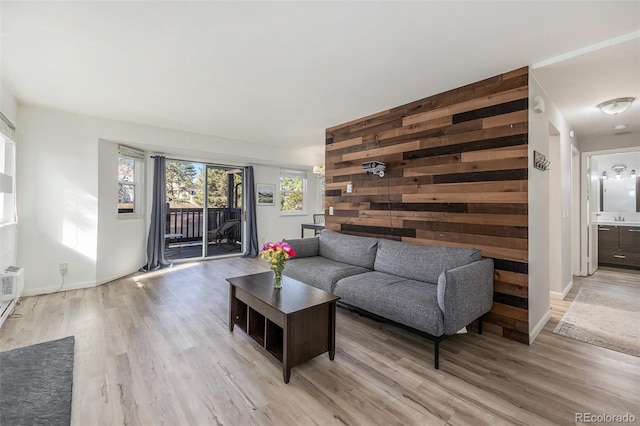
{"points": [[67, 203], [272, 226], [576, 208], [8, 103], [538, 217], [550, 210], [115, 258], [608, 142], [556, 213], [57, 199], [553, 126]]}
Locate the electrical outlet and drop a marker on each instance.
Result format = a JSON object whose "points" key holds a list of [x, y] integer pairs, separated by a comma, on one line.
{"points": [[64, 267]]}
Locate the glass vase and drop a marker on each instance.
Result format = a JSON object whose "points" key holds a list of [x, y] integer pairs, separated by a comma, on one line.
{"points": [[277, 278]]}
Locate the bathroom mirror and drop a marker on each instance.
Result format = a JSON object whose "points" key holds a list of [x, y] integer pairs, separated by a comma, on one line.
{"points": [[619, 195]]}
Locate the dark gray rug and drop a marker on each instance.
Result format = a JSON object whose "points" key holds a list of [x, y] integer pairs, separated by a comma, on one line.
{"points": [[35, 384]]}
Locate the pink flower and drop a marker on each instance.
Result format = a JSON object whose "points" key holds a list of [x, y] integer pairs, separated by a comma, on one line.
{"points": [[277, 253]]}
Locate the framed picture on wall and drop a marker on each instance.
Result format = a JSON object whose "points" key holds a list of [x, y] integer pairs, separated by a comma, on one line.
{"points": [[266, 194]]}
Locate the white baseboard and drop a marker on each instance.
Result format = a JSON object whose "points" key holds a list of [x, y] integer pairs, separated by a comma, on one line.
{"points": [[561, 296], [539, 326], [47, 290], [116, 276]]}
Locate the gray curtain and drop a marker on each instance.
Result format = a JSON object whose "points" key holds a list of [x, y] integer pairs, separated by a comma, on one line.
{"points": [[252, 248], [155, 241]]}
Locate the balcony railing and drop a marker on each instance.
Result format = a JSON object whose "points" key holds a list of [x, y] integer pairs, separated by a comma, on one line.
{"points": [[189, 222]]}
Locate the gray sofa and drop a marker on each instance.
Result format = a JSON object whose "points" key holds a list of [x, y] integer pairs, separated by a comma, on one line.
{"points": [[432, 290]]}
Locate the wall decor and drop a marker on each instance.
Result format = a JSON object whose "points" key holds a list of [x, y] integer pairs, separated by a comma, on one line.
{"points": [[540, 161], [266, 194]]}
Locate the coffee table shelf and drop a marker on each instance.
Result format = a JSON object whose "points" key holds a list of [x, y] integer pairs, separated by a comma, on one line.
{"points": [[293, 324]]}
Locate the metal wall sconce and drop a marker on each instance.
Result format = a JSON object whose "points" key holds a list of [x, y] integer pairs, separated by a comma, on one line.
{"points": [[540, 161]]}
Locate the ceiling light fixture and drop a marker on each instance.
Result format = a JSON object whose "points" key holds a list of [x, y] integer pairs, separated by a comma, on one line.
{"points": [[616, 106], [633, 173], [604, 175], [620, 127]]}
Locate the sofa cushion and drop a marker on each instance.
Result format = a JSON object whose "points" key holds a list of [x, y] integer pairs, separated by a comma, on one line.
{"points": [[304, 247], [421, 262], [409, 302], [320, 272], [358, 251]]}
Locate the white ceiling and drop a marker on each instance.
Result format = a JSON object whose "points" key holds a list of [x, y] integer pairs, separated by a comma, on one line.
{"points": [[578, 83], [281, 72]]}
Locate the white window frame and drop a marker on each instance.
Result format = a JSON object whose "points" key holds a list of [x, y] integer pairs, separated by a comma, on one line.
{"points": [[305, 179], [138, 169], [7, 181]]}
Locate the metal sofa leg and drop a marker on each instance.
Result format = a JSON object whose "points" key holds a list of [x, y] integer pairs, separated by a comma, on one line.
{"points": [[436, 354], [480, 325]]}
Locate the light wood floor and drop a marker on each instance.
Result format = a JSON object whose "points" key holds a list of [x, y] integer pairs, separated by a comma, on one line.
{"points": [[155, 349]]}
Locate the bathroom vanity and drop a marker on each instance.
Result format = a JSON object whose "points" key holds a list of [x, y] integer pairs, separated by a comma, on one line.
{"points": [[619, 244]]}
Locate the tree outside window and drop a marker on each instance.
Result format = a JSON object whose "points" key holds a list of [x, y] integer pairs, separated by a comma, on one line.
{"points": [[293, 186], [127, 185]]}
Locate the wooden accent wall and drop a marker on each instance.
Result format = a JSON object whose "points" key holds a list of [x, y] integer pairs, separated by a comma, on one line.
{"points": [[457, 175]]}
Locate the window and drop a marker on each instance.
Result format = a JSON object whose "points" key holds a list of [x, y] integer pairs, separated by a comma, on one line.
{"points": [[7, 183], [130, 166], [293, 186]]}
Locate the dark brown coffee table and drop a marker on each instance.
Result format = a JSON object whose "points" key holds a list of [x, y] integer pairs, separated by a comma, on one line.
{"points": [[293, 324]]}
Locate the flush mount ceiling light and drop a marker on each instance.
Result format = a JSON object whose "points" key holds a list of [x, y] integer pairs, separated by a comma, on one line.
{"points": [[616, 106]]}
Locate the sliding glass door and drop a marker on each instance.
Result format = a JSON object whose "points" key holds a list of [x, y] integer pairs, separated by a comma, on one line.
{"points": [[204, 210], [224, 210]]}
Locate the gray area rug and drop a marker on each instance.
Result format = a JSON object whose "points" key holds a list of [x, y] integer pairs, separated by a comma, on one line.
{"points": [[35, 384], [603, 319]]}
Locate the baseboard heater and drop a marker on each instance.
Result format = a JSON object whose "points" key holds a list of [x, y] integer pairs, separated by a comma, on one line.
{"points": [[12, 286]]}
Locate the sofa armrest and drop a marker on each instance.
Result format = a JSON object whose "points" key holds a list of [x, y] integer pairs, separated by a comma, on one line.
{"points": [[305, 247], [465, 294]]}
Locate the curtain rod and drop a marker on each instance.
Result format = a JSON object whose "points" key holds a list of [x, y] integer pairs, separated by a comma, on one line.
{"points": [[228, 166]]}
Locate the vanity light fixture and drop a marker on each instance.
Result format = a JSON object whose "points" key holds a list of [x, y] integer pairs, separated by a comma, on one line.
{"points": [[616, 106], [618, 170]]}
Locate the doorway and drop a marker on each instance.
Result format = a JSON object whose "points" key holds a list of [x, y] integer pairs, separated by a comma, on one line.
{"points": [[204, 210], [597, 166]]}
